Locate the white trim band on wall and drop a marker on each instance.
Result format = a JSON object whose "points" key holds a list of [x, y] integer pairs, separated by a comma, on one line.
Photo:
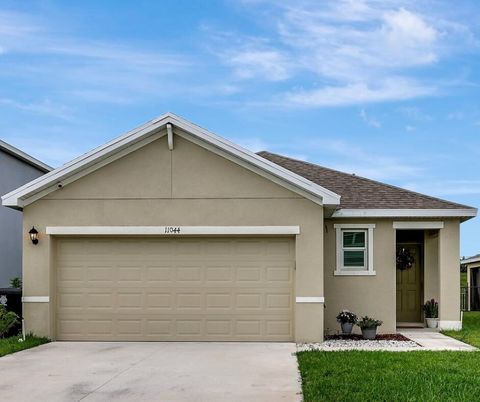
{"points": [[450, 325], [172, 230], [35, 299], [310, 299], [418, 225]]}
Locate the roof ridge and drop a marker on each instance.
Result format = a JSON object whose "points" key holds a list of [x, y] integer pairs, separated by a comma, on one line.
{"points": [[366, 179]]}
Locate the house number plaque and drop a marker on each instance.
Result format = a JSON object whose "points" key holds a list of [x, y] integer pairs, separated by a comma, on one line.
{"points": [[172, 230]]}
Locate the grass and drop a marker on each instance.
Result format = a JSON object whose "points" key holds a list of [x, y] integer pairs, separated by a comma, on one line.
{"points": [[11, 345], [395, 376], [390, 376], [470, 332]]}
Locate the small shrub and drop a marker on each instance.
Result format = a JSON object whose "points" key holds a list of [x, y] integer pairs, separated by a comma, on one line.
{"points": [[16, 282], [7, 320], [369, 323], [347, 317], [431, 309]]}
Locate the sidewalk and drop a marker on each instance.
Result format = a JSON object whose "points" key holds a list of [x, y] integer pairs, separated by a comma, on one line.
{"points": [[434, 340]]}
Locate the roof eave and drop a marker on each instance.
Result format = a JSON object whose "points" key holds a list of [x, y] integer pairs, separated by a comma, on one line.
{"points": [[24, 157], [463, 213]]}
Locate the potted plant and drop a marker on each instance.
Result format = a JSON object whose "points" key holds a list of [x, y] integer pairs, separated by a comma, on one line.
{"points": [[369, 326], [431, 313], [347, 319]]}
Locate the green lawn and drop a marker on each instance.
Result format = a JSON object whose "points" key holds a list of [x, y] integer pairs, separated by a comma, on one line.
{"points": [[395, 376], [471, 329], [11, 345], [390, 376]]}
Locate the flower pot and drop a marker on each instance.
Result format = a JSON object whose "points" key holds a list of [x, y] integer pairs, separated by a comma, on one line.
{"points": [[432, 322], [369, 333], [346, 328]]}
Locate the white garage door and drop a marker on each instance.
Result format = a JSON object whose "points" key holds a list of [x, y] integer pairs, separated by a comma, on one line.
{"points": [[172, 289]]}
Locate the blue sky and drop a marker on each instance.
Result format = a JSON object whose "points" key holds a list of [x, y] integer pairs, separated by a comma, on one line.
{"points": [[384, 89]]}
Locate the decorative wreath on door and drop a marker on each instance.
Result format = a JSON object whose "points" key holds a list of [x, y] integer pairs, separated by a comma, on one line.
{"points": [[404, 259]]}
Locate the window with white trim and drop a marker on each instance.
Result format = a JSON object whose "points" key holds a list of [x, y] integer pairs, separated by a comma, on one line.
{"points": [[354, 243]]}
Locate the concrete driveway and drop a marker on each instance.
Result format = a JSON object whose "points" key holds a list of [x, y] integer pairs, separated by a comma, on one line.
{"points": [[148, 371]]}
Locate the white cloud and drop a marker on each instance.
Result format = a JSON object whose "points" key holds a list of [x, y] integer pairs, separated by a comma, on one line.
{"points": [[350, 158], [359, 51], [267, 64], [45, 107], [360, 92], [446, 187], [414, 113], [254, 144], [53, 153], [457, 115], [115, 71], [410, 129], [369, 120]]}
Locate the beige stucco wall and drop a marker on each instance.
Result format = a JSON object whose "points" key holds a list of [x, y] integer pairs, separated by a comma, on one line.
{"points": [[189, 186], [431, 273], [449, 270], [365, 295], [375, 295]]}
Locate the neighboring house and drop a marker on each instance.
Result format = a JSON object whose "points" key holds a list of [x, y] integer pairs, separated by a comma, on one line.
{"points": [[173, 233], [16, 169], [473, 281]]}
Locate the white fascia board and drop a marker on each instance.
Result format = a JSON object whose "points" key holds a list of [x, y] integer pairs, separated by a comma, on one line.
{"points": [[170, 230], [410, 213], [418, 225], [77, 167], [328, 197], [10, 149], [470, 260]]}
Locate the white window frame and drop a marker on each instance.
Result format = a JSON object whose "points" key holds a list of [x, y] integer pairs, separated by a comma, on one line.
{"points": [[340, 269]]}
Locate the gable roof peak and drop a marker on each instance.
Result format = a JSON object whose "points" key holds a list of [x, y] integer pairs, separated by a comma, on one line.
{"points": [[155, 129]]}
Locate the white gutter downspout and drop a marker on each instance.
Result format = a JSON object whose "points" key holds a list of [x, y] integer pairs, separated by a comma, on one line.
{"points": [[170, 136]]}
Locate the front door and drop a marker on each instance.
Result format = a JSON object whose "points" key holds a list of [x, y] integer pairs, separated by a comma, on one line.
{"points": [[409, 287]]}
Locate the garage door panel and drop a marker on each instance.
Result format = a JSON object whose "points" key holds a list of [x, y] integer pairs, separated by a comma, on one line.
{"points": [[218, 275], [175, 289], [159, 274], [189, 275]]}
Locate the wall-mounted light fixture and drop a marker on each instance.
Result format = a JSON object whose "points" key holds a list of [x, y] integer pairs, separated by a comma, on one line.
{"points": [[33, 235]]}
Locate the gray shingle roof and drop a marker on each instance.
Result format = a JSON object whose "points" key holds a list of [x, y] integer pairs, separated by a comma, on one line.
{"points": [[358, 192]]}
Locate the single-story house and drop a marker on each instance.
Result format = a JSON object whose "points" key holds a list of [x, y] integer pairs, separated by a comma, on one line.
{"points": [[16, 169], [472, 264], [172, 233]]}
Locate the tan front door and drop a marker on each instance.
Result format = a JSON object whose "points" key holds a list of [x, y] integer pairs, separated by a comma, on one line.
{"points": [[175, 289], [409, 288]]}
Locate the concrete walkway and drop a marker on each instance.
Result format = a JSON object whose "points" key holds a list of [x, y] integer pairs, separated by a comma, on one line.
{"points": [[151, 371], [434, 340]]}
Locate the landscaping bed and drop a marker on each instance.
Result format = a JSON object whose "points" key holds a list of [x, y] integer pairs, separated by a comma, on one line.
{"points": [[381, 337], [12, 344], [390, 342], [386, 376]]}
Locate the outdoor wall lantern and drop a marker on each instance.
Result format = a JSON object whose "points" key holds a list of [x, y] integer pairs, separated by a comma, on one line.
{"points": [[33, 235]]}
